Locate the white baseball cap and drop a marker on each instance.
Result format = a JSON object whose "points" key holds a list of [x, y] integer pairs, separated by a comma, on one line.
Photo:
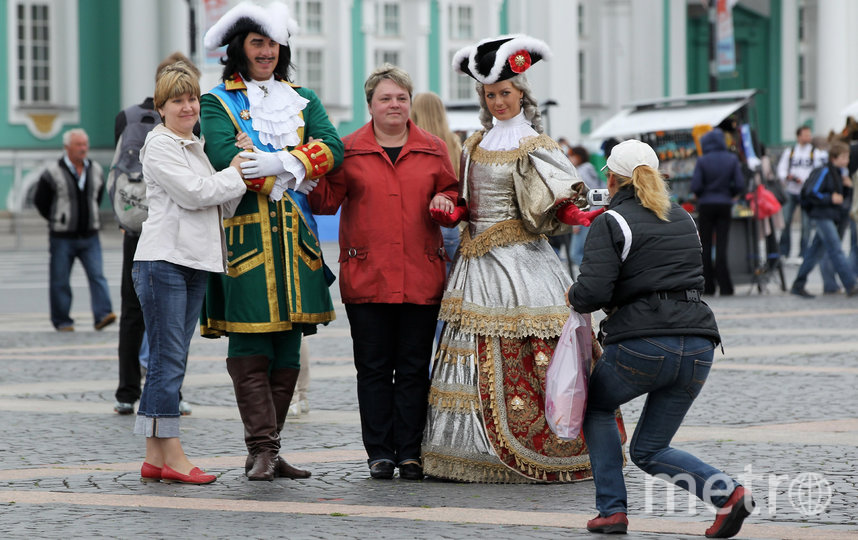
{"points": [[629, 155]]}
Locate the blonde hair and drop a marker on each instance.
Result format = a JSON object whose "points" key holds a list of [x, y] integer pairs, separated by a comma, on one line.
{"points": [[650, 189], [172, 59], [177, 79], [428, 112], [387, 71]]}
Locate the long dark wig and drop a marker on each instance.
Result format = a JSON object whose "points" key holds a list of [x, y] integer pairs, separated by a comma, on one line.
{"points": [[236, 61]]}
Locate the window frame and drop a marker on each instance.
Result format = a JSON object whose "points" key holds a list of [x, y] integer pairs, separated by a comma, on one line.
{"points": [[61, 101]]}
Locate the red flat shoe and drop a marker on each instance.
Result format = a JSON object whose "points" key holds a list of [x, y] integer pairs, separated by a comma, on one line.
{"points": [[150, 473], [616, 523], [732, 515], [196, 476]]}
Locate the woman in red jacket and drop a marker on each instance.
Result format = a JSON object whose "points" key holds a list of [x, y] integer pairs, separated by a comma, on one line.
{"points": [[392, 266]]}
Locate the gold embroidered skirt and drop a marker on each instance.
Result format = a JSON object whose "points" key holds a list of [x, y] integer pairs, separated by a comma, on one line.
{"points": [[503, 310]]}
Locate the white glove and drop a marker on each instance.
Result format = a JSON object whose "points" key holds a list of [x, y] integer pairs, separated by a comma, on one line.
{"points": [[307, 186], [281, 184], [261, 164]]}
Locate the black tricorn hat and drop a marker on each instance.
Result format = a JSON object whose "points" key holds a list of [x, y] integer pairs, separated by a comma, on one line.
{"points": [[498, 59]]}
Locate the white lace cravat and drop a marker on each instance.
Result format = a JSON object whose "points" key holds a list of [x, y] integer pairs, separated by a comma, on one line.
{"points": [[507, 134], [275, 108]]}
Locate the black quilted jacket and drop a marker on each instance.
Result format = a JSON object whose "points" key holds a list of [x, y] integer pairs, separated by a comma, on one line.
{"points": [[664, 256]]}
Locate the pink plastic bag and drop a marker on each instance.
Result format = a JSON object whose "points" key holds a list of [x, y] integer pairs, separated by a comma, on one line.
{"points": [[566, 379]]}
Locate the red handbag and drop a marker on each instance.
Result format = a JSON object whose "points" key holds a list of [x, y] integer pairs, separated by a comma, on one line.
{"points": [[763, 202]]}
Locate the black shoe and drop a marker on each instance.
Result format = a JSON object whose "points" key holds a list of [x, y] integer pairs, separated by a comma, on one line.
{"points": [[382, 469], [411, 470], [853, 291], [801, 292]]}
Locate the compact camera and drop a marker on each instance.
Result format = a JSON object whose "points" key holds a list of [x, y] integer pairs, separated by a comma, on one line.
{"points": [[598, 197]]}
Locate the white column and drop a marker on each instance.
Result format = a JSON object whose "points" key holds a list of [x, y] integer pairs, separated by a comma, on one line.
{"points": [[644, 43], [678, 48], [139, 55], [789, 69], [833, 64], [562, 70], [174, 28]]}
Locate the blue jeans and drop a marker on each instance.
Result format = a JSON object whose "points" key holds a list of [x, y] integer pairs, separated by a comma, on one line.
{"points": [[792, 203], [451, 243], [671, 370], [171, 297], [826, 267], [853, 245], [578, 239], [825, 241], [63, 253]]}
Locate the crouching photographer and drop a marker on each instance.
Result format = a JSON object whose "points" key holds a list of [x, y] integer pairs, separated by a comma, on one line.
{"points": [[642, 265]]}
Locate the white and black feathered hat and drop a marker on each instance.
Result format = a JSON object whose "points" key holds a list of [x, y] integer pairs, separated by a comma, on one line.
{"points": [[500, 58], [273, 20]]}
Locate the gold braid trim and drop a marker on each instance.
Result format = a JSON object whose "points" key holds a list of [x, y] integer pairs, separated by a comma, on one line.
{"points": [[500, 234], [469, 470], [453, 354], [454, 401], [533, 469], [499, 157], [516, 322]]}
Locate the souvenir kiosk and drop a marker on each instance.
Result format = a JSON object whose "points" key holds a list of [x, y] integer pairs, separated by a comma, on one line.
{"points": [[673, 126]]}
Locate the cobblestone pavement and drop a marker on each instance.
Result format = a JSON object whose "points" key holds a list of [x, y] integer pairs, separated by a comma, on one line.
{"points": [[779, 411]]}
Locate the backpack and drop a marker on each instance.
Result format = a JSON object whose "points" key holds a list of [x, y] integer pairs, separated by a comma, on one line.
{"points": [[125, 183], [808, 197]]}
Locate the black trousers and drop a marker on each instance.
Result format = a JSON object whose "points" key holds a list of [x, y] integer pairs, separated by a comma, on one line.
{"points": [[715, 219], [392, 350], [131, 328]]}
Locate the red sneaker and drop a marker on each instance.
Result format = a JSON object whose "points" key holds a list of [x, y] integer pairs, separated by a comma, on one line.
{"points": [[616, 523], [731, 515], [196, 476]]}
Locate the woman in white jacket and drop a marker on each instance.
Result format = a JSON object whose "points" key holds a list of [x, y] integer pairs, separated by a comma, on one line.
{"points": [[182, 241]]}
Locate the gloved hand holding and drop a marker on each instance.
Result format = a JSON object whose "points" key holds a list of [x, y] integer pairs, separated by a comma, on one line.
{"points": [[307, 185], [260, 164], [572, 215], [449, 219]]}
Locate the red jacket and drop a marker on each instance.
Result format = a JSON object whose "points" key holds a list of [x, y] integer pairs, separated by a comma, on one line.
{"points": [[390, 249]]}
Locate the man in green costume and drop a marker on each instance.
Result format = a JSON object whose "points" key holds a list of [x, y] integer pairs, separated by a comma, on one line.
{"points": [[276, 288]]}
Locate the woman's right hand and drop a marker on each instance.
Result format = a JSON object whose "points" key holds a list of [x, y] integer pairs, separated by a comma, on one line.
{"points": [[236, 162]]}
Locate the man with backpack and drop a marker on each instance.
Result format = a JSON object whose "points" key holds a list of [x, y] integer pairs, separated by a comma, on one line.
{"points": [[128, 195], [793, 168], [822, 197]]}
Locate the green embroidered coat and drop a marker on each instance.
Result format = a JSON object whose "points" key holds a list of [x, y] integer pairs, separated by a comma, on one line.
{"points": [[276, 276]]}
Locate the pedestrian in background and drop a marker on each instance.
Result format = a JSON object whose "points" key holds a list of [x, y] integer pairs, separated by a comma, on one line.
{"points": [[392, 265], [428, 112], [182, 241], [825, 196], [140, 119], [716, 182], [580, 157], [793, 168], [68, 195], [642, 266]]}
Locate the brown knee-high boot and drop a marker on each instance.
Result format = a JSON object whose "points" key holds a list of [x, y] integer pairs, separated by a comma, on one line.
{"points": [[253, 395], [282, 387]]}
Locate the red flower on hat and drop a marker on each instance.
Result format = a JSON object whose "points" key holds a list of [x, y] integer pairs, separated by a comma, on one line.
{"points": [[519, 61]]}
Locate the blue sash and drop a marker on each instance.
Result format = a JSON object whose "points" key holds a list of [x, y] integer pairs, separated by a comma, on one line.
{"points": [[237, 101]]}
